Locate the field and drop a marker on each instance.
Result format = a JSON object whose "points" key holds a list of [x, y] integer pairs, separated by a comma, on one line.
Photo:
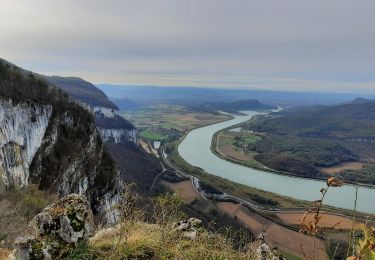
{"points": [[356, 166], [327, 221], [184, 189], [172, 117], [226, 145], [152, 136], [278, 236]]}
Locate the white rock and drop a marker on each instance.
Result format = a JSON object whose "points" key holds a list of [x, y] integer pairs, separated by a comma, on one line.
{"points": [[22, 128]]}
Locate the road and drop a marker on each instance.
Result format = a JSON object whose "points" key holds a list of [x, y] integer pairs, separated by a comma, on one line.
{"points": [[228, 197]]}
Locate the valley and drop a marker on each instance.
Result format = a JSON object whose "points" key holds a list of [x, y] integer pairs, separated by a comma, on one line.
{"points": [[191, 150], [187, 130], [315, 142]]}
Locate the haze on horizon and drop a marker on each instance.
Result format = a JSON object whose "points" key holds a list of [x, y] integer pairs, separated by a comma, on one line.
{"points": [[292, 45]]}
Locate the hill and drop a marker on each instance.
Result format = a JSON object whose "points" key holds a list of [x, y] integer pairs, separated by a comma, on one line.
{"points": [[314, 141], [126, 104], [232, 106], [81, 90]]}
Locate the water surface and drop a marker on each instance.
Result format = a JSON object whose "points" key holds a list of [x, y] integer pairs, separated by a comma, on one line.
{"points": [[195, 149]]}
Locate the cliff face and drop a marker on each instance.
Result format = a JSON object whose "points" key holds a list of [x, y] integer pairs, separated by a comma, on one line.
{"points": [[47, 140], [21, 133], [112, 127]]}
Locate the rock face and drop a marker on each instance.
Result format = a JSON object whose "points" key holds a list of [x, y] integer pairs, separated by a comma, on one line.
{"points": [[57, 229], [113, 127], [52, 142], [22, 127]]}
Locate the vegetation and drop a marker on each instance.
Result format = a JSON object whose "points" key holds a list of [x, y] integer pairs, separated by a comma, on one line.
{"points": [[231, 106], [81, 90], [171, 117], [74, 127], [306, 140], [17, 208], [152, 136], [156, 237]]}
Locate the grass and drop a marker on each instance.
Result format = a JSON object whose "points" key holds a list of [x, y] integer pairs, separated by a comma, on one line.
{"points": [[250, 138], [152, 136], [17, 208], [289, 256], [144, 243], [225, 140]]}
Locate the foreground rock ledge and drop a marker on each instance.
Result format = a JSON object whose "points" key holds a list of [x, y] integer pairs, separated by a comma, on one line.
{"points": [[57, 229]]}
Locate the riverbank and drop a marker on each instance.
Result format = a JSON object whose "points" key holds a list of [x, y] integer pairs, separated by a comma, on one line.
{"points": [[276, 222], [195, 148], [215, 150]]}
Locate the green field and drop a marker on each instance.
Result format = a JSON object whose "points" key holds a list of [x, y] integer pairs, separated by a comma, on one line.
{"points": [[151, 135], [250, 138]]}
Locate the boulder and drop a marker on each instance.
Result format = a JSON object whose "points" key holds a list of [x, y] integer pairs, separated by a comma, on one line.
{"points": [[188, 228], [57, 230]]}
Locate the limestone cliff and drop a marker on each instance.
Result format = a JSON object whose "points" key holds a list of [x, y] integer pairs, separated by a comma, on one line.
{"points": [[52, 142], [22, 127]]}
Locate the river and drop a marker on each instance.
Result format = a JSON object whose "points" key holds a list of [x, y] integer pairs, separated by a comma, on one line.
{"points": [[195, 149]]}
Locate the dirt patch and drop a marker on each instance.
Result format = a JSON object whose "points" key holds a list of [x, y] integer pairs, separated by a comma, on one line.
{"points": [[184, 189], [328, 220], [276, 235], [342, 167]]}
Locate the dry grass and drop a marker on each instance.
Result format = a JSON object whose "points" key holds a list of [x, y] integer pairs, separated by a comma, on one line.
{"points": [[4, 253], [144, 241], [342, 167], [184, 189], [276, 235], [17, 208]]}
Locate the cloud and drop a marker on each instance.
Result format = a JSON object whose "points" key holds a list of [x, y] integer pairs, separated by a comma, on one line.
{"points": [[269, 44]]}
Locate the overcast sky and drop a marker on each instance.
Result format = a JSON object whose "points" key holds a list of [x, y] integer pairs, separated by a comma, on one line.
{"points": [[317, 45]]}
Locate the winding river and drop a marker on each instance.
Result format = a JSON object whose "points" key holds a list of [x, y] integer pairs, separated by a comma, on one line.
{"points": [[195, 149]]}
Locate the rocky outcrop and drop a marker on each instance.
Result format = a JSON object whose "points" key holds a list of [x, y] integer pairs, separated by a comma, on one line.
{"points": [[188, 228], [22, 128], [113, 127], [48, 140], [73, 159], [57, 230], [262, 251]]}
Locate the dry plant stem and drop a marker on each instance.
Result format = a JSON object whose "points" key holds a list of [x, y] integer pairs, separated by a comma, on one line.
{"points": [[334, 252], [352, 231], [317, 218]]}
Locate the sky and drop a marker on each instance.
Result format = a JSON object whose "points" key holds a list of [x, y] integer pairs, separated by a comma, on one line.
{"points": [[298, 45]]}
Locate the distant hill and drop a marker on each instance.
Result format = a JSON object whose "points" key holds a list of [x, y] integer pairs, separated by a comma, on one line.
{"points": [[361, 100], [77, 88], [81, 90], [126, 104], [321, 136], [233, 106], [195, 95]]}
